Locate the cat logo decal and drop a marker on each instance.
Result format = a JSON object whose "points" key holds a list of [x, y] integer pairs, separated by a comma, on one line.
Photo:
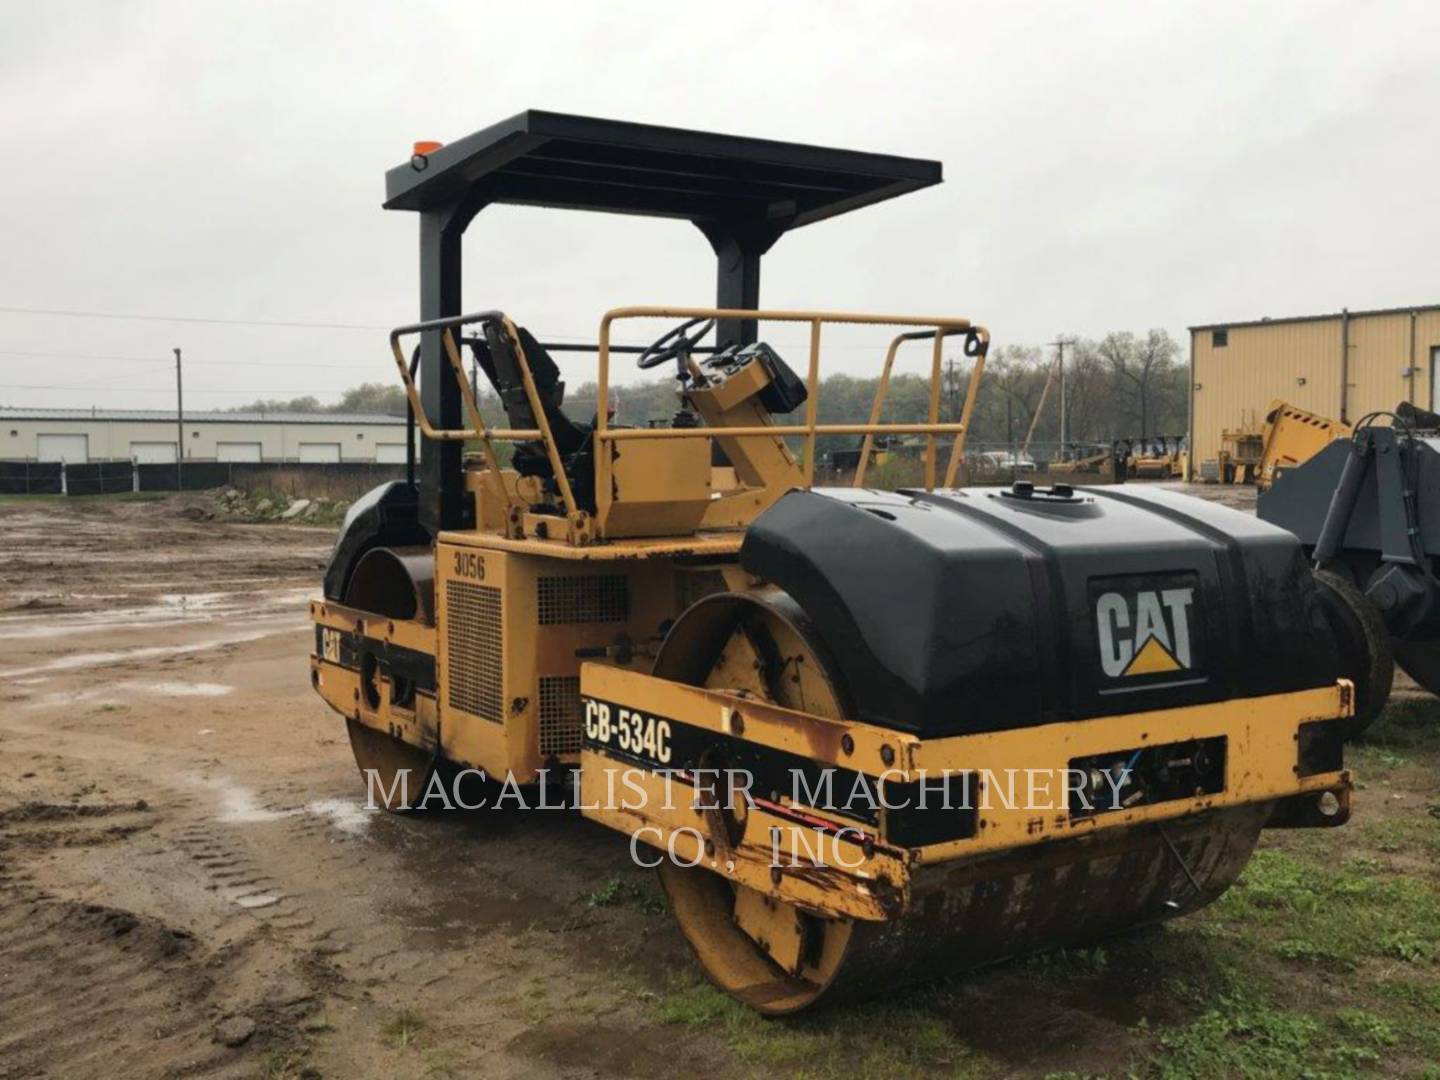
{"points": [[1146, 632]]}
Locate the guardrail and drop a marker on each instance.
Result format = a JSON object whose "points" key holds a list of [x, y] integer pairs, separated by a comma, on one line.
{"points": [[977, 341]]}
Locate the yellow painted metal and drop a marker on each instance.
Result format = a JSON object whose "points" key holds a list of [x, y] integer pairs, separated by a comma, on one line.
{"points": [[537, 410], [773, 726], [778, 929], [1261, 760], [749, 431], [935, 362], [972, 391], [1291, 436], [762, 464], [811, 429], [724, 923], [643, 434], [657, 490], [834, 874], [414, 722], [511, 618], [498, 488], [624, 550], [408, 634], [1261, 755], [877, 407], [812, 401], [882, 390]]}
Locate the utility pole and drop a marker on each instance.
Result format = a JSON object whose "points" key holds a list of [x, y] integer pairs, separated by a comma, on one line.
{"points": [[1060, 344], [951, 381], [179, 426]]}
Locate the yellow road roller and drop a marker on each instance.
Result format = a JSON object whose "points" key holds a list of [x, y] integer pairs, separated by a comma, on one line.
{"points": [[866, 737]]}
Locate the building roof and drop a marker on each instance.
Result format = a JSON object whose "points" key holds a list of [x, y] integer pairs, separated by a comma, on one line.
{"points": [[200, 416], [1315, 318], [578, 162]]}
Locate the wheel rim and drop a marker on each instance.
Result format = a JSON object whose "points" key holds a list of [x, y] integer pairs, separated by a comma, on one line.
{"points": [[767, 953]]}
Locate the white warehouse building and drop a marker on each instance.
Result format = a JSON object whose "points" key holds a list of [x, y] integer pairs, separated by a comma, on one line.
{"points": [[149, 436]]}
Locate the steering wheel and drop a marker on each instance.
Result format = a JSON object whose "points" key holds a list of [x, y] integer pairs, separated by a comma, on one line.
{"points": [[673, 343]]}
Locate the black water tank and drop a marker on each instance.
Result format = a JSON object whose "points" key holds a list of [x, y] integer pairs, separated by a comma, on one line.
{"points": [[988, 609]]}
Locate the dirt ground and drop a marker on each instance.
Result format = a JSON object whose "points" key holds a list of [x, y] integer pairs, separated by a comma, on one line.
{"points": [[190, 885], [185, 856]]}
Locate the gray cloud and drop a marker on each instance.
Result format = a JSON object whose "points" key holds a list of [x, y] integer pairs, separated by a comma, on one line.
{"points": [[1108, 166]]}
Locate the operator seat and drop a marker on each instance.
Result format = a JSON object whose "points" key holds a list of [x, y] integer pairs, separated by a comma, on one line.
{"points": [[501, 366]]}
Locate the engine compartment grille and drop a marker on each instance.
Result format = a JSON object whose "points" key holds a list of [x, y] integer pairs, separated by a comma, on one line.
{"points": [[559, 714], [590, 598], [475, 651]]}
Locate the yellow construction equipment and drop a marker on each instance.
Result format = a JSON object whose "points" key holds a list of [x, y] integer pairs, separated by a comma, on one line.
{"points": [[1292, 436], [866, 737], [1081, 460], [1161, 458], [1240, 450]]}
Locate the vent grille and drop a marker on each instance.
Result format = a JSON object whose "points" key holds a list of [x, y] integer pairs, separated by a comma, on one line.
{"points": [[559, 714], [475, 650], [588, 599]]}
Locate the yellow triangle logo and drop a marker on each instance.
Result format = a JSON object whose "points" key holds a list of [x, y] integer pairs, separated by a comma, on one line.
{"points": [[1152, 659]]}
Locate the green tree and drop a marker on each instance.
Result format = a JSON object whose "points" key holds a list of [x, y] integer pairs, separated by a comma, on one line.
{"points": [[384, 399]]}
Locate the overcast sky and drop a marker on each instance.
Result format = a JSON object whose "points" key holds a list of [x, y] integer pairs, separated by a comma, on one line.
{"points": [[1108, 166]]}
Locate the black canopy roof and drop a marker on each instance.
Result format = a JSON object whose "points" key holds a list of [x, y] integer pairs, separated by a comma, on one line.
{"points": [[577, 162]]}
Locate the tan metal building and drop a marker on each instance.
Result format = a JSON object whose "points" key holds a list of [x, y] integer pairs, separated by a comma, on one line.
{"points": [[149, 437], [1342, 365]]}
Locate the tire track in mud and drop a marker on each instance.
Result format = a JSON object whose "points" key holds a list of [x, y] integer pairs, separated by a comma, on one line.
{"points": [[115, 988], [252, 889]]}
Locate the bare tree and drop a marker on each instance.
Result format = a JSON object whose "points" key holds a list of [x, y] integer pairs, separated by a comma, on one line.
{"points": [[1138, 364]]}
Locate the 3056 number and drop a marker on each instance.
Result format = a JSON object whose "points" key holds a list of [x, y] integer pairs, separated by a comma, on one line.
{"points": [[470, 564]]}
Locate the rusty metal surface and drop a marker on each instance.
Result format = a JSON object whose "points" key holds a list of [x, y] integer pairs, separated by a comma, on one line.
{"points": [[1062, 895]]}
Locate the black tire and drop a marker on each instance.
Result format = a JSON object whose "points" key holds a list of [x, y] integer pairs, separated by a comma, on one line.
{"points": [[1367, 656], [1421, 661]]}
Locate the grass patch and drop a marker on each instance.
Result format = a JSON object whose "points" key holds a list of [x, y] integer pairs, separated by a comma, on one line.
{"points": [[878, 1039], [1238, 1035], [403, 1029], [286, 1064], [621, 890], [1335, 916]]}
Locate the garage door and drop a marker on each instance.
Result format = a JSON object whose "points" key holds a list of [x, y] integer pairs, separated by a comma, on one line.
{"points": [[74, 449], [320, 451], [153, 453], [237, 451], [390, 453]]}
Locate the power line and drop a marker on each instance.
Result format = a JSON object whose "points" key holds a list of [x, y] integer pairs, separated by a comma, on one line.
{"points": [[293, 324], [287, 323], [164, 360], [84, 356], [210, 320], [148, 390]]}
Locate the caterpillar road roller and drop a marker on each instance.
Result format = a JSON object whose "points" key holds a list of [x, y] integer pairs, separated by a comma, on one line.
{"points": [[866, 737]]}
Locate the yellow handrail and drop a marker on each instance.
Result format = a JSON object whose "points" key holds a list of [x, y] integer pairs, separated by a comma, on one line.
{"points": [[883, 389], [938, 328]]}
